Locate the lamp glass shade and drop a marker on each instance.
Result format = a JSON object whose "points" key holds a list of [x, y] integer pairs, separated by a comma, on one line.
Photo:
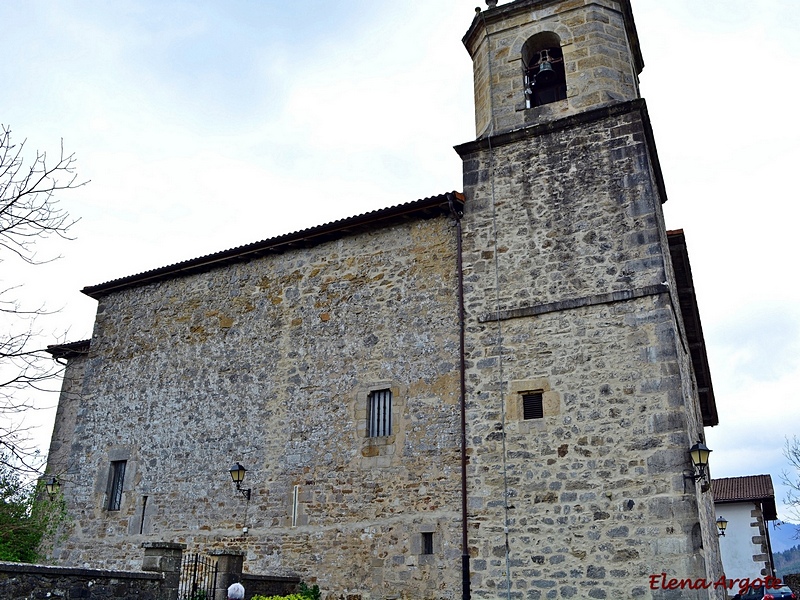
{"points": [[237, 472], [51, 485], [722, 524], [699, 454]]}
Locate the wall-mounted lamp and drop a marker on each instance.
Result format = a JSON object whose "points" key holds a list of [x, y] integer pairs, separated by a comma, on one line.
{"points": [[722, 525], [699, 453], [237, 472], [51, 486]]}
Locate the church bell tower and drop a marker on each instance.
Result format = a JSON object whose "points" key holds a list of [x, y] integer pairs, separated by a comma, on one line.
{"points": [[582, 399], [536, 60]]}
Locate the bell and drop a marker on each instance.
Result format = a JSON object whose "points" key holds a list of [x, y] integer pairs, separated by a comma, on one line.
{"points": [[546, 73]]}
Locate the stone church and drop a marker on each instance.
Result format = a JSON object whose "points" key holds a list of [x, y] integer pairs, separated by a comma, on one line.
{"points": [[488, 393]]}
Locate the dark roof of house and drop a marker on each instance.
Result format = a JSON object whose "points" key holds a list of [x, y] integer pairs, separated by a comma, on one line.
{"points": [[691, 322], [750, 488], [420, 209]]}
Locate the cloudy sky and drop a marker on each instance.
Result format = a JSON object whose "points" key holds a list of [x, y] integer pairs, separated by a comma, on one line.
{"points": [[206, 125]]}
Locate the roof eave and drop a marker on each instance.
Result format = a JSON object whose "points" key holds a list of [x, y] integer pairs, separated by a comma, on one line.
{"points": [[69, 350], [421, 209], [694, 329]]}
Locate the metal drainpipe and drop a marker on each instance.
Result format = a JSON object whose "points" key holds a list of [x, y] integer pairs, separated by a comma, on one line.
{"points": [[465, 580]]}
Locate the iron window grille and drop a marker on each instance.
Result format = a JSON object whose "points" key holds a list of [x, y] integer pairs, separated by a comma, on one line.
{"points": [[379, 414], [532, 405]]}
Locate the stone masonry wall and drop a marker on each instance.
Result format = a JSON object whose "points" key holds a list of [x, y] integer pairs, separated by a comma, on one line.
{"points": [[60, 455], [577, 214], [573, 300], [270, 363]]}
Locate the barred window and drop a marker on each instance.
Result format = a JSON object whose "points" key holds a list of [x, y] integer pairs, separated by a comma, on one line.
{"points": [[379, 413], [115, 480], [532, 406], [427, 542]]}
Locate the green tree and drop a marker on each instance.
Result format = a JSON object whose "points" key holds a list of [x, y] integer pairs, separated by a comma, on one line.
{"points": [[28, 518]]}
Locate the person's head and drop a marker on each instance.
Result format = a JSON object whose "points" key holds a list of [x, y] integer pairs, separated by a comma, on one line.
{"points": [[236, 592]]}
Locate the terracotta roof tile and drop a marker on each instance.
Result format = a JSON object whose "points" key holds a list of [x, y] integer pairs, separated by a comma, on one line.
{"points": [[755, 488], [750, 487]]}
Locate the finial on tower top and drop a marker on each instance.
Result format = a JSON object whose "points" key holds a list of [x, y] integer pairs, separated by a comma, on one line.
{"points": [[491, 3]]}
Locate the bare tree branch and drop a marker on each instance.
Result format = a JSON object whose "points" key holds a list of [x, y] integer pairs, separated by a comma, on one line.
{"points": [[29, 209], [792, 480], [29, 212]]}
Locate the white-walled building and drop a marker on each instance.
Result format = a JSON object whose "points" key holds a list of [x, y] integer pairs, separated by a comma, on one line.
{"points": [[747, 503]]}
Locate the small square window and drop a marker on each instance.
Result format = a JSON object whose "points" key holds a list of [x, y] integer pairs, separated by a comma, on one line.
{"points": [[115, 481], [427, 542], [532, 405], [379, 413]]}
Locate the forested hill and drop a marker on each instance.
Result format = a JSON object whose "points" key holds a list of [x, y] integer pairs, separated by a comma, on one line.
{"points": [[783, 535], [787, 562], [785, 541]]}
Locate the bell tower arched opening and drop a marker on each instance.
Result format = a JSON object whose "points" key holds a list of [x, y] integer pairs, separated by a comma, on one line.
{"points": [[544, 75]]}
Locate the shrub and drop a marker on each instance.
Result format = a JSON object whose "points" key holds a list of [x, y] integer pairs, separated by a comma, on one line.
{"points": [[305, 593]]}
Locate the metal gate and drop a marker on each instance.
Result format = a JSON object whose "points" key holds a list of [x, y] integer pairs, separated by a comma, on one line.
{"points": [[198, 578]]}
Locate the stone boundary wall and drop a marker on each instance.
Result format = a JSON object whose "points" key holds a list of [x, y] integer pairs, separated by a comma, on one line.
{"points": [[29, 582]]}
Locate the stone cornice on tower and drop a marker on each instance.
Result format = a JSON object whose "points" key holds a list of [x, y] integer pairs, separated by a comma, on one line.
{"points": [[506, 11]]}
